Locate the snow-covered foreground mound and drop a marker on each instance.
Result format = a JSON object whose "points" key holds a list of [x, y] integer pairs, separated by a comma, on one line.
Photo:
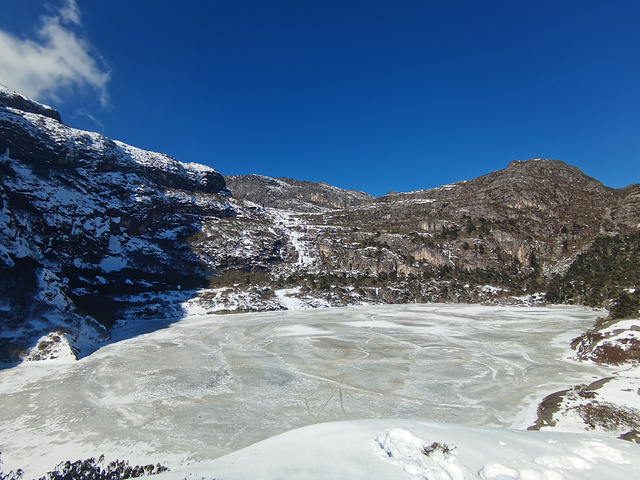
{"points": [[392, 449]]}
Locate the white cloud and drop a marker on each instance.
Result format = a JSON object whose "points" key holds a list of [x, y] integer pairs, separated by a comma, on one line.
{"points": [[70, 12], [56, 61], [94, 120]]}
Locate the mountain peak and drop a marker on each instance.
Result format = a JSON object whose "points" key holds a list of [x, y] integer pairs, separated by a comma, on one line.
{"points": [[554, 169], [288, 193]]}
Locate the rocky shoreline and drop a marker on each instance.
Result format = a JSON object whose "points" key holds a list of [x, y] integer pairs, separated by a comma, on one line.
{"points": [[610, 405]]}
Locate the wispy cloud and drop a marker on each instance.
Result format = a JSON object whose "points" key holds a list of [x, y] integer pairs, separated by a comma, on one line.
{"points": [[94, 120], [55, 61]]}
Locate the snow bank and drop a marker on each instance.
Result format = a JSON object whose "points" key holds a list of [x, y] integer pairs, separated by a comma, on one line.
{"points": [[391, 450]]}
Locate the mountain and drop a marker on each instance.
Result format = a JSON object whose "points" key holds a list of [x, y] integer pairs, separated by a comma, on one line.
{"points": [[533, 213], [95, 233], [296, 195], [91, 227], [505, 234]]}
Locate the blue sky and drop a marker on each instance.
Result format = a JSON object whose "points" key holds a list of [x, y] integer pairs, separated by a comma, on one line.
{"points": [[364, 94]]}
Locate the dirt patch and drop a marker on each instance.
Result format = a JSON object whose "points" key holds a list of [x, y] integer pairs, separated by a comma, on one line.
{"points": [[549, 406]]}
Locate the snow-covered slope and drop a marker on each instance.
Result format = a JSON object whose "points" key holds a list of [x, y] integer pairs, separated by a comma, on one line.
{"points": [[609, 405], [91, 227], [393, 450], [12, 99]]}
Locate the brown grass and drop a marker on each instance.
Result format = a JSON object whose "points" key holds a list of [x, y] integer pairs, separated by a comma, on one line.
{"points": [[608, 416], [615, 354]]}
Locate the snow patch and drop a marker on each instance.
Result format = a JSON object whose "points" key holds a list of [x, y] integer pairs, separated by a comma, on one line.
{"points": [[491, 289], [494, 470], [112, 264], [54, 346], [288, 301], [404, 449], [115, 246], [50, 290], [337, 450], [596, 450], [294, 228]]}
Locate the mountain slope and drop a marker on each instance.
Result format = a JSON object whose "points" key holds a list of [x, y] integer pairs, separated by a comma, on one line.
{"points": [[91, 226], [290, 194], [538, 211]]}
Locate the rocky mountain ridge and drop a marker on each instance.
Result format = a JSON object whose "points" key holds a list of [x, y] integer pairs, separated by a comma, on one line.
{"points": [[296, 195], [540, 212], [95, 232], [92, 227]]}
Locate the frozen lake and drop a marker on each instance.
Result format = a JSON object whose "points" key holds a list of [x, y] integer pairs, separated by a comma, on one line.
{"points": [[206, 386]]}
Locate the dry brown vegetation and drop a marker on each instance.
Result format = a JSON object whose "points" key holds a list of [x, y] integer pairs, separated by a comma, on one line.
{"points": [[608, 416]]}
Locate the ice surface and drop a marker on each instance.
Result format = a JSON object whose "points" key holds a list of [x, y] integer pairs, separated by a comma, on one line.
{"points": [[206, 386]]}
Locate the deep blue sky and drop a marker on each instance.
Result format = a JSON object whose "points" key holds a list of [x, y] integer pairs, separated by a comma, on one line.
{"points": [[364, 94]]}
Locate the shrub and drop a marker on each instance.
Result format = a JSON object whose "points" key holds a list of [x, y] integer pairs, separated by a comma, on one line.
{"points": [[625, 306], [17, 475], [616, 354], [92, 469], [608, 416], [427, 450]]}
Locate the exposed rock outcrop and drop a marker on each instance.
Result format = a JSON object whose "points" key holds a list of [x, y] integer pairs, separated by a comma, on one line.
{"points": [[12, 99], [296, 195]]}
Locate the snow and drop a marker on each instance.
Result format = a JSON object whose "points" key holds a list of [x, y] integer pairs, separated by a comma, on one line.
{"points": [[53, 347], [390, 449], [491, 289], [404, 449], [287, 300], [196, 393], [50, 290], [40, 107], [6, 258], [608, 405], [622, 333], [114, 245], [294, 228], [223, 396], [113, 264], [146, 158]]}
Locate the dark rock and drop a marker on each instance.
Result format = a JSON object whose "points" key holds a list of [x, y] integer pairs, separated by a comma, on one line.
{"points": [[11, 99]]}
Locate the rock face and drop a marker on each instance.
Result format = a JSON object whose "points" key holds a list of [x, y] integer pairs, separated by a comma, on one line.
{"points": [[533, 213], [296, 195], [91, 227], [94, 232], [11, 99], [500, 237]]}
